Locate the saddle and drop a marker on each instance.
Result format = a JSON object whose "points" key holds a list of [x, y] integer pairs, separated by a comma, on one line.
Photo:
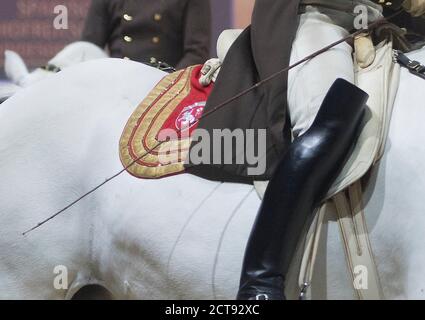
{"points": [[344, 200]]}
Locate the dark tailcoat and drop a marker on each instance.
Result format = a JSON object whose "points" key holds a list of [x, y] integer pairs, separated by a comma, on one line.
{"points": [[262, 49], [173, 31]]}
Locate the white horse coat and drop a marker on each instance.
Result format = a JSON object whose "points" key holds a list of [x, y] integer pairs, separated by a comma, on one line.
{"points": [[182, 236]]}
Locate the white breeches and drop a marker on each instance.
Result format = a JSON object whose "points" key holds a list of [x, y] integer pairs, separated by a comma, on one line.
{"points": [[309, 82]]}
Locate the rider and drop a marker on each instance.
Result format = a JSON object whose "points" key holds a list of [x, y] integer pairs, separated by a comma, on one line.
{"points": [[325, 115], [325, 111]]}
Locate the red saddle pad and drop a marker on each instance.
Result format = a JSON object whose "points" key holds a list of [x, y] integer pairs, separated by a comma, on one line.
{"points": [[167, 116]]}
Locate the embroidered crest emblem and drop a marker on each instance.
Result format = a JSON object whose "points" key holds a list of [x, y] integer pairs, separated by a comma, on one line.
{"points": [[190, 116]]}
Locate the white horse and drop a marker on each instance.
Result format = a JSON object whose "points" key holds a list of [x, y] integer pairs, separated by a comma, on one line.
{"points": [[178, 237], [17, 71]]}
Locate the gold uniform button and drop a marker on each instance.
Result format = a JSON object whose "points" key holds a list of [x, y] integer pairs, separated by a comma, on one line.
{"points": [[127, 17], [157, 17], [128, 39], [155, 40]]}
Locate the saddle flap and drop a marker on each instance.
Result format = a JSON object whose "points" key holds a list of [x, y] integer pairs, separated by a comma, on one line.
{"points": [[156, 138], [380, 81]]}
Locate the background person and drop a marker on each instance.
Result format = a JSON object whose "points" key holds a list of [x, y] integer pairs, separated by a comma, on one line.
{"points": [[176, 32]]}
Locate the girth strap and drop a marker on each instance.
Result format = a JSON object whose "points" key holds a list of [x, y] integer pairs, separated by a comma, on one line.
{"points": [[310, 253], [357, 247]]}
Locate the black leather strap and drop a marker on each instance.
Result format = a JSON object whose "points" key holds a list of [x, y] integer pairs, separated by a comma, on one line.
{"points": [[51, 68], [414, 67], [163, 66]]}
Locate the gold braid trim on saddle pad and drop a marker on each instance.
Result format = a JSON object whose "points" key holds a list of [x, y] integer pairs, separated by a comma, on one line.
{"points": [[175, 103]]}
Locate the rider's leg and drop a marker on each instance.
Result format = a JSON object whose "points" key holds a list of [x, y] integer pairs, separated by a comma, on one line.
{"points": [[309, 82], [312, 162], [299, 184]]}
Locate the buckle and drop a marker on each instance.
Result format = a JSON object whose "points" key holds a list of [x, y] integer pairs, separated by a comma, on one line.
{"points": [[416, 68], [262, 296], [304, 290], [414, 65]]}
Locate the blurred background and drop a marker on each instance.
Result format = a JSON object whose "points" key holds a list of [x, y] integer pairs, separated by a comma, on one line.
{"points": [[26, 26]]}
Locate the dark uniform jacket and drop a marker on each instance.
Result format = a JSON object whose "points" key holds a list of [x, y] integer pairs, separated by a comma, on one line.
{"points": [[261, 50], [173, 31]]}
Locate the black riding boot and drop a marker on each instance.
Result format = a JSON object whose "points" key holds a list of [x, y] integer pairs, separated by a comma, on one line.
{"points": [[299, 184]]}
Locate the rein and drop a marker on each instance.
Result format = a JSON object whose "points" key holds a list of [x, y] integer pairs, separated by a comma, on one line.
{"points": [[218, 107]]}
